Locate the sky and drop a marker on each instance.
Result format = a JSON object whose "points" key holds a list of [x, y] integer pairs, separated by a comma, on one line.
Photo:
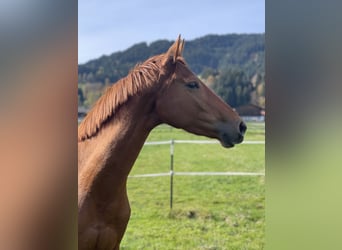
{"points": [[107, 26]]}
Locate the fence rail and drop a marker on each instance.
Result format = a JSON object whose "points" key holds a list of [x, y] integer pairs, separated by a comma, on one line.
{"points": [[173, 173], [195, 142], [199, 174]]}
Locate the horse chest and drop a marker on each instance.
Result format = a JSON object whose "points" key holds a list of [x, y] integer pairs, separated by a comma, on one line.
{"points": [[98, 237], [101, 226]]}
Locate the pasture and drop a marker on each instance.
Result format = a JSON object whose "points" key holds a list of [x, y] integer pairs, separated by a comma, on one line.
{"points": [[209, 212]]}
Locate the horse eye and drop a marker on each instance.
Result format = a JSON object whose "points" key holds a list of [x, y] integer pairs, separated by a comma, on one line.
{"points": [[192, 85]]}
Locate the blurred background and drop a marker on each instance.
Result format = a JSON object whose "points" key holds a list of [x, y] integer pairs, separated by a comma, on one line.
{"points": [[38, 109]]}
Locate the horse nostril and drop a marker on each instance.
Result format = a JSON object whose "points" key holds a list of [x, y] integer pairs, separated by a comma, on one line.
{"points": [[242, 128]]}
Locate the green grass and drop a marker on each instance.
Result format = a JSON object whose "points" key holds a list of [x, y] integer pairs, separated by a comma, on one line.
{"points": [[209, 212]]}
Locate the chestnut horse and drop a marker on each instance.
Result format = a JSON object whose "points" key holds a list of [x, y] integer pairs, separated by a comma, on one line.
{"points": [[161, 90]]}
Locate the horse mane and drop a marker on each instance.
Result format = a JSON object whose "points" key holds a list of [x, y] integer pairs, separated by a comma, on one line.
{"points": [[138, 79]]}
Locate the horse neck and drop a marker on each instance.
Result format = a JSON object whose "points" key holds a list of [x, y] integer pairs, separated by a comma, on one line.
{"points": [[106, 159]]}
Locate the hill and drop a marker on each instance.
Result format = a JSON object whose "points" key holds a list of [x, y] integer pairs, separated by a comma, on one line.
{"points": [[233, 65], [216, 52]]}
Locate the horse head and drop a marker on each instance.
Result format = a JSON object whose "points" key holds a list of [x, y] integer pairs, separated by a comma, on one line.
{"points": [[184, 101]]}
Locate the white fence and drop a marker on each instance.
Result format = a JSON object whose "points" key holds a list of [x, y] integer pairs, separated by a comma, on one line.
{"points": [[173, 142], [171, 173]]}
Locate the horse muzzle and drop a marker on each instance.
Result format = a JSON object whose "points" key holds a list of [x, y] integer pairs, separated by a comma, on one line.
{"points": [[229, 135]]}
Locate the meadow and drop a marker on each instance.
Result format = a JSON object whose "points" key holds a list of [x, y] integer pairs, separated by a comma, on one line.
{"points": [[209, 212]]}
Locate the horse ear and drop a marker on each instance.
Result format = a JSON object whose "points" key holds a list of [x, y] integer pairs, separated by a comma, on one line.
{"points": [[175, 50], [182, 47]]}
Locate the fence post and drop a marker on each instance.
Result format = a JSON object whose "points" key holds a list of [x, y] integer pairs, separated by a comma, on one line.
{"points": [[172, 145]]}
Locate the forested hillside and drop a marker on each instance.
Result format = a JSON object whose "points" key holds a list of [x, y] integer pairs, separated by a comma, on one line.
{"points": [[233, 65]]}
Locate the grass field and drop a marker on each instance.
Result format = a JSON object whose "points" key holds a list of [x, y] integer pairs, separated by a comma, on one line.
{"points": [[209, 212]]}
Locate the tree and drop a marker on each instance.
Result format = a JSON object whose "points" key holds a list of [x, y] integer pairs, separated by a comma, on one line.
{"points": [[234, 87], [258, 95], [80, 97]]}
